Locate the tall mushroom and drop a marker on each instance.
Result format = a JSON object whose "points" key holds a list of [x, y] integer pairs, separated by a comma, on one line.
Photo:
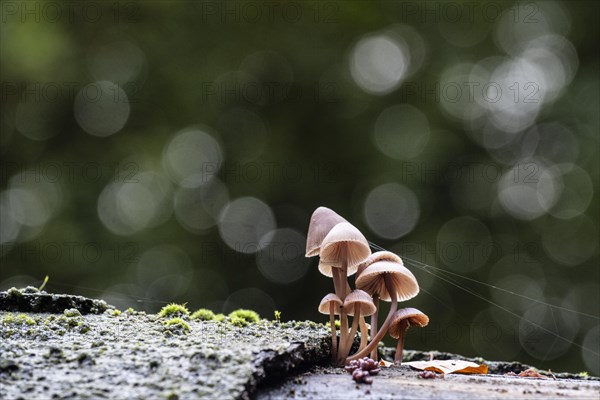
{"points": [[357, 304], [390, 281], [377, 256], [322, 221], [342, 251], [401, 321], [331, 304]]}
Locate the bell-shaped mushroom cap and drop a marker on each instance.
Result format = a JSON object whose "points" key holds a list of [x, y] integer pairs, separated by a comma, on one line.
{"points": [[344, 240], [322, 221], [414, 317], [362, 298], [378, 256], [324, 307], [371, 280]]}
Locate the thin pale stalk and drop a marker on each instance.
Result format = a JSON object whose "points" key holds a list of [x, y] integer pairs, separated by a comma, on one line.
{"points": [[350, 342], [343, 282], [374, 321], [400, 345], [381, 333], [333, 331], [364, 333]]}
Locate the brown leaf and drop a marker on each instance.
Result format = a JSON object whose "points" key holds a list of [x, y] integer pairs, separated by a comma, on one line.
{"points": [[385, 364], [532, 373], [449, 366]]}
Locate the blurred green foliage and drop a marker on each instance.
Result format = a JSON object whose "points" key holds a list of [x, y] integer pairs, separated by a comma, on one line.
{"points": [[286, 103]]}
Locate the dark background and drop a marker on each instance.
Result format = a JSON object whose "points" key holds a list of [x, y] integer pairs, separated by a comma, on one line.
{"points": [[170, 151]]}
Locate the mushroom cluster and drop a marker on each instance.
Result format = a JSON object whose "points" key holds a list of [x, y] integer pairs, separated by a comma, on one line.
{"points": [[343, 251]]}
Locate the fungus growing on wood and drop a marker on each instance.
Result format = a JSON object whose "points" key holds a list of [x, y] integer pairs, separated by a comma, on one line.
{"points": [[401, 321]]}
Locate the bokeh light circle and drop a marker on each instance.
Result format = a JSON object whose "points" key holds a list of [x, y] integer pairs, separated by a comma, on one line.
{"points": [[577, 191], [281, 256], [464, 244], [101, 108], [244, 222], [545, 333], [378, 63], [401, 132], [135, 204], [391, 210], [570, 242], [192, 158], [197, 209], [528, 190]]}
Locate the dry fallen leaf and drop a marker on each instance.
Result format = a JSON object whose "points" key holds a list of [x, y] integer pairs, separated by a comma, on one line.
{"points": [[385, 364], [449, 366], [528, 373]]}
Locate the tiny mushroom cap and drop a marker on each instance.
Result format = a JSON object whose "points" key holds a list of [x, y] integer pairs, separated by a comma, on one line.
{"points": [[372, 280], [378, 256], [361, 298], [322, 221], [411, 315], [324, 307], [346, 239]]}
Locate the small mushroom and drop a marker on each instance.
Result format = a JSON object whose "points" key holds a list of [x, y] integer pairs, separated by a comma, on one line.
{"points": [[377, 256], [342, 251], [331, 304], [357, 304], [322, 221], [388, 280], [401, 321]]}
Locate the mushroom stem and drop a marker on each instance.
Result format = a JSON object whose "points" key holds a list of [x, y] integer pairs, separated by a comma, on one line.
{"points": [[333, 331], [374, 321], [400, 345], [348, 345], [364, 333], [344, 290], [337, 282], [381, 333], [343, 335]]}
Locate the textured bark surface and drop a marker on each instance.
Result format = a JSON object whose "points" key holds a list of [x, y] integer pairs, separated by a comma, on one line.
{"points": [[78, 348]]}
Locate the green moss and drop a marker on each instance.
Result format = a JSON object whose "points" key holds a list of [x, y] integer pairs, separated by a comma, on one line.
{"points": [[220, 317], [174, 310], [247, 315], [277, 315], [9, 319], [337, 324], [116, 313], [24, 319], [203, 314], [130, 311], [237, 321], [20, 319], [72, 312], [583, 374], [177, 325]]}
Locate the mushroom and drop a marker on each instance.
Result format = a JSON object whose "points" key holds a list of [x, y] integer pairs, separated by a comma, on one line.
{"points": [[342, 251], [377, 256], [357, 304], [388, 280], [401, 320], [331, 304], [322, 221]]}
